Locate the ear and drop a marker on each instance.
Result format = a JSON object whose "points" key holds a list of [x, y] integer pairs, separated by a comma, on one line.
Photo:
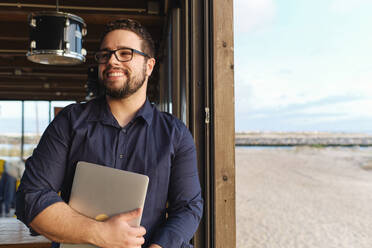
{"points": [[150, 66]]}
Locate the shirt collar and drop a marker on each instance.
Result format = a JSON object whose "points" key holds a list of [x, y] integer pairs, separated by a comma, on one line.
{"points": [[101, 112], [146, 112]]}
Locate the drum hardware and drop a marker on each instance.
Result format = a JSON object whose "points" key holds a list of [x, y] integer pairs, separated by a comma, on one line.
{"points": [[33, 23], [33, 44], [56, 38]]}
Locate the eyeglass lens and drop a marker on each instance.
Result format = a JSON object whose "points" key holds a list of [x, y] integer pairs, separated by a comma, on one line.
{"points": [[122, 55]]}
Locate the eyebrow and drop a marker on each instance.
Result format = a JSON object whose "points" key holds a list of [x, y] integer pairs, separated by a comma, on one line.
{"points": [[120, 47]]}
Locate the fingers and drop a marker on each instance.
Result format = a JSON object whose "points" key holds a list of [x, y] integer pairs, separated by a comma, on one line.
{"points": [[119, 231], [131, 215], [138, 241], [136, 236], [137, 231], [134, 242], [142, 231]]}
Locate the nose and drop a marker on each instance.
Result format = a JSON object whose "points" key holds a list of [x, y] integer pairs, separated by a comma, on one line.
{"points": [[112, 59]]}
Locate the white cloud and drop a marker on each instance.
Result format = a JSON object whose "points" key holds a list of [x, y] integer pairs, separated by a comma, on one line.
{"points": [[251, 14], [264, 85], [276, 94], [271, 89], [358, 108]]}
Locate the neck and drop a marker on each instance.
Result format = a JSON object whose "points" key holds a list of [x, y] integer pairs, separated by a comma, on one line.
{"points": [[125, 109]]}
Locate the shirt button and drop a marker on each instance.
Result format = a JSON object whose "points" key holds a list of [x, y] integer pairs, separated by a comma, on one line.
{"points": [[121, 156], [124, 130]]}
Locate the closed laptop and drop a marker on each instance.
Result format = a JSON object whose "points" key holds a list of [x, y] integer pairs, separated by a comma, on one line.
{"points": [[100, 191]]}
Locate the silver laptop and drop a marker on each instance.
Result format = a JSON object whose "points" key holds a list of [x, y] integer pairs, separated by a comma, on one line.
{"points": [[100, 192]]}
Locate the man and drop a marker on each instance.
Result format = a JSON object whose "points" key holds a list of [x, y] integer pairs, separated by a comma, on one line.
{"points": [[121, 130]]}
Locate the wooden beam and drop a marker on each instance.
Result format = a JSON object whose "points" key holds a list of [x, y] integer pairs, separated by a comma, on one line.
{"points": [[199, 97], [96, 6], [60, 95], [19, 60], [43, 75], [24, 44], [42, 87], [166, 6], [84, 3], [223, 122], [102, 18]]}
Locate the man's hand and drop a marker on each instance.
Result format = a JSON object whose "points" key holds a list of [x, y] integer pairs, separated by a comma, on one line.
{"points": [[116, 232], [60, 223]]}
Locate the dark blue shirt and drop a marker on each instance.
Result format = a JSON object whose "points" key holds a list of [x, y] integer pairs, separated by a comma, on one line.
{"points": [[154, 143]]}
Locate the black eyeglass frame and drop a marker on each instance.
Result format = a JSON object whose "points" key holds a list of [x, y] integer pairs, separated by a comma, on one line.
{"points": [[114, 52]]}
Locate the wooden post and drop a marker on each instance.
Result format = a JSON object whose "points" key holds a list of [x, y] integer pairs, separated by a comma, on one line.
{"points": [[223, 124]]}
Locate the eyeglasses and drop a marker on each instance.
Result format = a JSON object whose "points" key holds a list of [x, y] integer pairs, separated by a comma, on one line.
{"points": [[121, 54]]}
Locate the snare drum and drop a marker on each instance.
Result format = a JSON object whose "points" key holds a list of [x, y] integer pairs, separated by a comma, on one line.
{"points": [[56, 38]]}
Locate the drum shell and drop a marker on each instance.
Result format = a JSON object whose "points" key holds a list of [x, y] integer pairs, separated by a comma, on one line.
{"points": [[56, 37]]}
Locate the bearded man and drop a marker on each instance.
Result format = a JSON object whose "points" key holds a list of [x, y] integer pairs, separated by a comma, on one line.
{"points": [[121, 129]]}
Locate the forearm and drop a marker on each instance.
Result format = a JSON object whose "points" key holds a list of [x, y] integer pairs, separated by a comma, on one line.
{"points": [[60, 223]]}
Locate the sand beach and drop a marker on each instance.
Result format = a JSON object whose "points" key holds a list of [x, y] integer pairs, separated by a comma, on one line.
{"points": [[304, 197]]}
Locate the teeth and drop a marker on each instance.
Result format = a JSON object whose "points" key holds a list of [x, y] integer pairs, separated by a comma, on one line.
{"points": [[115, 74]]}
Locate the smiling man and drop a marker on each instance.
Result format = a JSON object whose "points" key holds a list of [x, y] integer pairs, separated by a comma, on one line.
{"points": [[122, 130]]}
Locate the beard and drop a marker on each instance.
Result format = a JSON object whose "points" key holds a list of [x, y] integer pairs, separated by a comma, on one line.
{"points": [[130, 86]]}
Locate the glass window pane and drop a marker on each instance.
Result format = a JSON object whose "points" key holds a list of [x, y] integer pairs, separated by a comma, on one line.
{"points": [[36, 117], [10, 129]]}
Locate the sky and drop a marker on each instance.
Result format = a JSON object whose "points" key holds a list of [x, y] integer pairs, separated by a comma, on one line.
{"points": [[303, 65]]}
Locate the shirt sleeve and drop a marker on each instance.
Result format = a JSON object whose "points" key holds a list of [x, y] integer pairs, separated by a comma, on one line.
{"points": [[184, 198], [44, 171]]}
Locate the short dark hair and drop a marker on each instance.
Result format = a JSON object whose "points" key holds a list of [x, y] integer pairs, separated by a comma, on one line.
{"points": [[147, 45]]}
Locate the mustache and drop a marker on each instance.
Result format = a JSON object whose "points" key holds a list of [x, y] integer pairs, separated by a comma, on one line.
{"points": [[125, 70]]}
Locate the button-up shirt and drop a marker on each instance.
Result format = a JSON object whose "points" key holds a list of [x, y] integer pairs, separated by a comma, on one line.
{"points": [[154, 143]]}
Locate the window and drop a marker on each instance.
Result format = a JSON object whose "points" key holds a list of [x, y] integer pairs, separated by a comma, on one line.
{"points": [[16, 142]]}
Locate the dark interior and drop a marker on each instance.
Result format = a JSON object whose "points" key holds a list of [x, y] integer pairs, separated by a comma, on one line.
{"points": [[21, 79]]}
